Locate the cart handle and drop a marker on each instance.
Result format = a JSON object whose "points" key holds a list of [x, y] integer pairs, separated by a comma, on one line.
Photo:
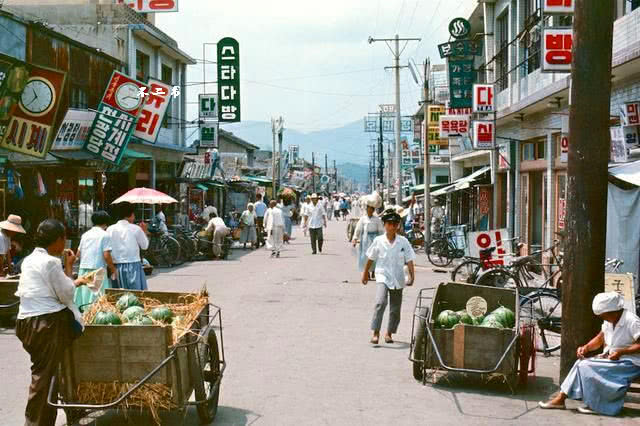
{"points": [[10, 305]]}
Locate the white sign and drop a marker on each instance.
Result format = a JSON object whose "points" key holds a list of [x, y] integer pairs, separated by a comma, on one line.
{"points": [[630, 114], [209, 132], [483, 98], [631, 137], [556, 49], [484, 136], [151, 6], [559, 7], [622, 284], [73, 130], [454, 125], [487, 239], [387, 108], [208, 106], [618, 147], [564, 148], [157, 101]]}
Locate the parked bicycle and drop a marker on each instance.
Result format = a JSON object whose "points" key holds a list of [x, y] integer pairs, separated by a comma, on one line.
{"points": [[471, 267], [163, 250], [188, 246], [442, 251], [415, 235]]}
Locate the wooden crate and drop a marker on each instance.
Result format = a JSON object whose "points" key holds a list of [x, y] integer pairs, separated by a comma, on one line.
{"points": [[470, 346], [8, 290], [107, 353]]}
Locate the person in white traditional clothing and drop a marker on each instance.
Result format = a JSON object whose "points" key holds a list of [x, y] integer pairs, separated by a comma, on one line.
{"points": [[248, 225], [369, 227], [218, 230], [274, 224], [304, 212], [390, 252], [127, 239], [601, 382]]}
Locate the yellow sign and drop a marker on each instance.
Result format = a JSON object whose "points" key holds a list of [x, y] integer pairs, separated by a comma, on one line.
{"points": [[433, 114], [434, 136], [623, 284]]}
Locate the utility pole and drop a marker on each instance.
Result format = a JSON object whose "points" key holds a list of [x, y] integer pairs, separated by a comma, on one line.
{"points": [[335, 174], [582, 276], [427, 157], [326, 165], [273, 160], [280, 129], [396, 52], [313, 171]]}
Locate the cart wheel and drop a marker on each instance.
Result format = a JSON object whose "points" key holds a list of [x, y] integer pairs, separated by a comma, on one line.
{"points": [[419, 345], [208, 389]]}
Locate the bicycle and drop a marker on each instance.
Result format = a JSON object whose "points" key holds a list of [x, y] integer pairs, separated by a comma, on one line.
{"points": [[188, 247], [163, 248], [471, 267], [442, 251], [415, 236]]}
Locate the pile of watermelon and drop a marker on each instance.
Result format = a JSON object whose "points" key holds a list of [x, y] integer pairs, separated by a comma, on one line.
{"points": [[132, 312], [500, 318]]}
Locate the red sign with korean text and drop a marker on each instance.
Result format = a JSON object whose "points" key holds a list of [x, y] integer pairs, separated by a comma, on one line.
{"points": [[631, 114], [153, 111], [556, 49], [498, 238], [483, 134], [564, 148], [124, 94], [151, 6], [483, 98], [453, 125], [560, 7]]}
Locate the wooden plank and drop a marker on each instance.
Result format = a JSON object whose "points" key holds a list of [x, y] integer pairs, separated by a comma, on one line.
{"points": [[459, 346]]}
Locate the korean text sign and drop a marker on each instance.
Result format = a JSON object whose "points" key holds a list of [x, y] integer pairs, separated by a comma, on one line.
{"points": [[483, 98], [556, 49], [560, 7], [74, 130], [630, 114], [151, 6], [208, 106], [454, 125], [228, 80], [497, 238], [483, 134], [461, 78], [154, 108]]}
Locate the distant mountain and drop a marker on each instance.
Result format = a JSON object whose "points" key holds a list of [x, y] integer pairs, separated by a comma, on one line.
{"points": [[357, 172]]}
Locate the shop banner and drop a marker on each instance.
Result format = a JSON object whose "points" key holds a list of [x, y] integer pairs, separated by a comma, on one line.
{"points": [[433, 135], [433, 114], [487, 239], [556, 49], [618, 147], [74, 130], [461, 78], [558, 7], [417, 130], [228, 80], [110, 133], [484, 100], [453, 125], [208, 106], [151, 6], [153, 111], [630, 114], [30, 128], [484, 135], [460, 48], [209, 133], [562, 213], [564, 148]]}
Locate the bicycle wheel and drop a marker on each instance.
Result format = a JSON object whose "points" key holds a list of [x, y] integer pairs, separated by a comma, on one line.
{"points": [[438, 253], [172, 247], [467, 271], [185, 248], [498, 277], [544, 311]]}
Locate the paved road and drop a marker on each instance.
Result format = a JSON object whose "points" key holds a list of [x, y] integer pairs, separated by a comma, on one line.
{"points": [[296, 332]]}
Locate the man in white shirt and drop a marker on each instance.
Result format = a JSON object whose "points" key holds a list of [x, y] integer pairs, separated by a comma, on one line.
{"points": [[274, 224], [218, 231], [317, 219], [390, 252], [127, 240], [336, 209], [85, 210], [8, 228], [162, 221]]}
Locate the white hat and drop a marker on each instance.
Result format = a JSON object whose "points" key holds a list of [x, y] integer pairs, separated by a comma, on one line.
{"points": [[401, 211], [314, 195], [607, 302], [13, 223], [373, 200]]}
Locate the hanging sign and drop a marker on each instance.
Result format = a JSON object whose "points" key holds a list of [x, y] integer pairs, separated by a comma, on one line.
{"points": [[74, 130], [631, 137], [487, 239], [228, 80], [14, 75], [209, 133], [460, 48], [151, 6], [484, 135], [618, 147], [453, 125], [558, 7], [564, 148], [208, 106], [459, 28], [483, 98], [630, 114], [461, 83], [417, 130], [153, 111], [556, 49], [30, 129]]}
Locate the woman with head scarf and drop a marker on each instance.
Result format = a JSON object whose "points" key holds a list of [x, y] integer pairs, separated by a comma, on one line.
{"points": [[368, 228], [248, 224], [601, 382]]}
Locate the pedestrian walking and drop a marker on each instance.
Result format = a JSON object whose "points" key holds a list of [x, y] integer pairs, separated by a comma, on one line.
{"points": [[8, 229], [369, 227], [317, 219], [48, 321], [217, 230], [94, 253], [260, 209], [127, 240], [390, 252], [248, 225], [336, 209], [286, 207], [274, 223], [344, 209], [304, 212]]}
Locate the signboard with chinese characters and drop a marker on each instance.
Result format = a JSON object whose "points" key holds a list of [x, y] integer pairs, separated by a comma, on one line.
{"points": [[460, 48], [484, 100], [564, 148], [30, 128], [484, 135], [151, 6], [209, 132], [556, 49], [110, 133], [208, 106], [461, 77], [74, 130], [558, 7], [618, 147], [153, 111], [228, 80], [630, 114], [622, 284], [453, 125]]}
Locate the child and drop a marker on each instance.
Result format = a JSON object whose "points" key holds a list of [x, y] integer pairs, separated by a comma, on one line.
{"points": [[390, 252]]}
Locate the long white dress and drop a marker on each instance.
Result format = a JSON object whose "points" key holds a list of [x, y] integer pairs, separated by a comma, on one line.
{"points": [[274, 224], [367, 229]]}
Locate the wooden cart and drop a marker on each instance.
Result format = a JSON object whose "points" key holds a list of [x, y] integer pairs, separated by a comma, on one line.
{"points": [[9, 302], [464, 348], [145, 354]]}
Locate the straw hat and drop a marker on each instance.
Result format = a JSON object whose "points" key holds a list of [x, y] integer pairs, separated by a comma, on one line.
{"points": [[13, 223]]}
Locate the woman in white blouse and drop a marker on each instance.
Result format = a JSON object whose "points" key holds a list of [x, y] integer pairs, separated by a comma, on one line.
{"points": [[368, 228], [48, 321]]}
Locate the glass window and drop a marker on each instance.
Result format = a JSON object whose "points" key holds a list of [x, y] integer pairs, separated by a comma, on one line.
{"points": [[532, 36], [142, 66], [167, 74], [528, 151], [541, 150], [502, 57]]}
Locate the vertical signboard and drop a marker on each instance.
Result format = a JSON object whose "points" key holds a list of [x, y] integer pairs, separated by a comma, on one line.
{"points": [[556, 49], [630, 114], [483, 98], [208, 106], [564, 148], [484, 135], [151, 6], [461, 77], [228, 80], [618, 147], [153, 111], [209, 134], [558, 7]]}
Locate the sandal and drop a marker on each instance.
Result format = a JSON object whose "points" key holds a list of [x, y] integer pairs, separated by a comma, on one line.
{"points": [[374, 340], [388, 340], [586, 410], [550, 406]]}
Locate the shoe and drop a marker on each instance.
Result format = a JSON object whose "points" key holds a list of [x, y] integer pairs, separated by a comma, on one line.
{"points": [[388, 340], [273, 253], [278, 254], [550, 406], [586, 410], [313, 252], [374, 340]]}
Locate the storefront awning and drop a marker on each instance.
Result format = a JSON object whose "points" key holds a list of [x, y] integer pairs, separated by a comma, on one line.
{"points": [[462, 183], [130, 153], [202, 187], [262, 181]]}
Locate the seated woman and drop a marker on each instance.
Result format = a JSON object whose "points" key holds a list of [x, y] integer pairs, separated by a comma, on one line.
{"points": [[602, 382]]}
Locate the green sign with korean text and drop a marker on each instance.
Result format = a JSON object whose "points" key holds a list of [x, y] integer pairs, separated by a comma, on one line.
{"points": [[461, 79], [228, 80]]}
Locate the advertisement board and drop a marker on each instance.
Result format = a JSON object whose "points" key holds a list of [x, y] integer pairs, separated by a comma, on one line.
{"points": [[153, 111], [151, 6], [209, 133], [454, 125], [556, 49], [208, 106], [483, 98], [494, 238], [74, 130], [228, 80], [484, 135], [558, 7]]}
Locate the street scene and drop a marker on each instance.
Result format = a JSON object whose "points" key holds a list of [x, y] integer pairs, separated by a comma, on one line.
{"points": [[404, 212]]}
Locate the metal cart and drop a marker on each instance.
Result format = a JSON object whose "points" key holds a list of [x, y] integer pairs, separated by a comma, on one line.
{"points": [[144, 354]]}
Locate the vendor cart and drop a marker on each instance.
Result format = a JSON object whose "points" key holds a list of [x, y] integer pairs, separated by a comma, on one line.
{"points": [[9, 302], [144, 355], [470, 349]]}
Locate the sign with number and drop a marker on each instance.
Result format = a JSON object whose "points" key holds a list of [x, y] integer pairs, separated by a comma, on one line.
{"points": [[622, 284], [630, 114], [483, 98], [151, 6], [74, 130], [487, 239], [564, 148], [484, 135], [154, 108], [453, 125], [556, 49], [209, 132], [228, 80], [208, 106], [461, 78], [558, 7]]}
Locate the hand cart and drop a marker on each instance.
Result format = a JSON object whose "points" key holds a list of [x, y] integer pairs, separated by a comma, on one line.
{"points": [[9, 302], [144, 355]]}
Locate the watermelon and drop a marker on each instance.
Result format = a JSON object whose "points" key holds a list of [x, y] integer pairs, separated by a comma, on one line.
{"points": [[162, 313], [505, 316], [127, 300], [465, 318], [447, 319], [132, 313], [141, 320], [107, 318], [491, 321], [478, 320]]}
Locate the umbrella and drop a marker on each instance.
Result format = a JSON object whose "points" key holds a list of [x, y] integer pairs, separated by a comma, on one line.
{"points": [[145, 196]]}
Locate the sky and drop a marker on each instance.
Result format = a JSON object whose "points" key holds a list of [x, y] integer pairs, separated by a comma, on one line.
{"points": [[309, 61]]}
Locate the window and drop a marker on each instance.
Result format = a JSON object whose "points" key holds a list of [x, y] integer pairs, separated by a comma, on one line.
{"points": [[541, 150], [142, 66], [442, 179], [79, 79], [79, 99], [532, 37], [167, 75], [534, 151], [502, 57]]}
